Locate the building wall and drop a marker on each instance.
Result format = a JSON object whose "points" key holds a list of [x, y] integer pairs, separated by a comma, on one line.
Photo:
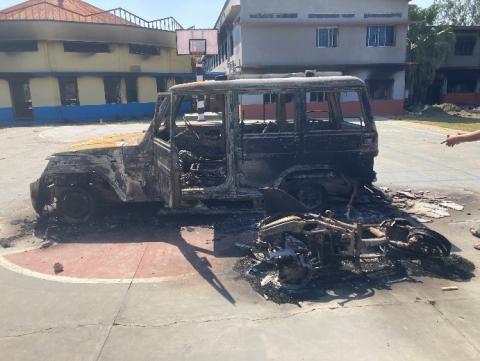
{"points": [[456, 61], [325, 6], [461, 73], [44, 67], [51, 57], [147, 90], [45, 92], [91, 91], [296, 45], [280, 36], [6, 114], [265, 40]]}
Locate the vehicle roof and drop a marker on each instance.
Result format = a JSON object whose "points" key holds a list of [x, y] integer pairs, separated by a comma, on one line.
{"points": [[215, 86]]}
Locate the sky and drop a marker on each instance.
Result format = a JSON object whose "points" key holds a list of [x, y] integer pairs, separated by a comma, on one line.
{"points": [[201, 13]]}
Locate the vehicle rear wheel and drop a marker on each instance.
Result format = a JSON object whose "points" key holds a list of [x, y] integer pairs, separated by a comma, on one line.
{"points": [[76, 205], [312, 195]]}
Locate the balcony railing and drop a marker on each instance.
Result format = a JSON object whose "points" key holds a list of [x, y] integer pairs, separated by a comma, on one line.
{"points": [[118, 16]]}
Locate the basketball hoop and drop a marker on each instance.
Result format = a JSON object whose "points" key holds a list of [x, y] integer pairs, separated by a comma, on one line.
{"points": [[197, 42]]}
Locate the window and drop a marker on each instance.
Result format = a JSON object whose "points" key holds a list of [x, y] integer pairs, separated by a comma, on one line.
{"points": [[262, 16], [317, 97], [85, 47], [269, 98], [464, 45], [262, 113], [162, 85], [113, 94], [68, 91], [327, 37], [380, 89], [286, 16], [18, 46], [380, 35], [339, 110], [140, 49], [461, 85], [132, 89], [387, 15], [330, 16]]}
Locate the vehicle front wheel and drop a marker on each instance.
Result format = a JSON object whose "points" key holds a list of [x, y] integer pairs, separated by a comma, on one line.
{"points": [[76, 205]]}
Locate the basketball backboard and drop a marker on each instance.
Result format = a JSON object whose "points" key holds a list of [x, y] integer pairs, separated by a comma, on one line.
{"points": [[197, 42]]}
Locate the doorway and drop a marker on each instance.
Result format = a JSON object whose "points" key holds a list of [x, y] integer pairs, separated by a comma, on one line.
{"points": [[21, 99]]}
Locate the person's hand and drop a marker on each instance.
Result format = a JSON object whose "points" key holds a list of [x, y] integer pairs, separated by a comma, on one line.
{"points": [[452, 140]]}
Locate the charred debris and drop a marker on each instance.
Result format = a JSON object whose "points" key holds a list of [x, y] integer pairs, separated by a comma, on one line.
{"points": [[297, 254]]}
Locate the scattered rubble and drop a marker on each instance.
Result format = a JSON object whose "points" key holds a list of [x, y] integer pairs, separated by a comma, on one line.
{"points": [[423, 204], [450, 289]]}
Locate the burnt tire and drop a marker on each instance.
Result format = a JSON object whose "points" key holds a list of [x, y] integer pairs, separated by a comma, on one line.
{"points": [[312, 195], [430, 243], [423, 243], [76, 205]]}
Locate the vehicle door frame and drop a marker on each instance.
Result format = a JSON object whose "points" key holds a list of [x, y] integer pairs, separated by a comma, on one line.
{"points": [[230, 185], [166, 156]]}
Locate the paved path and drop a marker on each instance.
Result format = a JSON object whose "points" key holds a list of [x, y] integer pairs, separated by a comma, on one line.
{"points": [[205, 312]]}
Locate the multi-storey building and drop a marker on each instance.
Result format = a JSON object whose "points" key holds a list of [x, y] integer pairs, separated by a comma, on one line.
{"points": [[458, 81], [364, 38], [66, 60]]}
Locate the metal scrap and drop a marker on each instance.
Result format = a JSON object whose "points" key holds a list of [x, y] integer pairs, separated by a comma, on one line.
{"points": [[291, 251]]}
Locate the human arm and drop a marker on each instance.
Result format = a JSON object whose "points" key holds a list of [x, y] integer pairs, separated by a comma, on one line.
{"points": [[453, 140]]}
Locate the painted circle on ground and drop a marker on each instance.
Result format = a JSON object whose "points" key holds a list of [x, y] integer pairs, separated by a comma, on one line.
{"points": [[170, 255]]}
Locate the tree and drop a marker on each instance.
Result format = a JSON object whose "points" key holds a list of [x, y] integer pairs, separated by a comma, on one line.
{"points": [[459, 12], [428, 47]]}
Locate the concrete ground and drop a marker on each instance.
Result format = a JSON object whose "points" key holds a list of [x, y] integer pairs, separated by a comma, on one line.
{"points": [[205, 311]]}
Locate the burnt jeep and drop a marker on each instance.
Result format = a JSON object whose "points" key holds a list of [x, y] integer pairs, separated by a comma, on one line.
{"points": [[309, 138]]}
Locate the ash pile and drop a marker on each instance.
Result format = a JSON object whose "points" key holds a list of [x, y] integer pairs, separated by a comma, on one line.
{"points": [[292, 253], [423, 206]]}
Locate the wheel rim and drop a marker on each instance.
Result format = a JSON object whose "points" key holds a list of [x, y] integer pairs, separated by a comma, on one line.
{"points": [[76, 204]]}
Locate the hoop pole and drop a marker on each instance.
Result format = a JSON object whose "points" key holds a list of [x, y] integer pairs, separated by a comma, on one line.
{"points": [[201, 98]]}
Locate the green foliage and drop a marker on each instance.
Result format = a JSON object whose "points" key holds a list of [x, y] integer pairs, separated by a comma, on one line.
{"points": [[459, 12], [428, 47]]}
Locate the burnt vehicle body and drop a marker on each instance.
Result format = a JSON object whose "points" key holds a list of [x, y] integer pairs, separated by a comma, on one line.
{"points": [[307, 150]]}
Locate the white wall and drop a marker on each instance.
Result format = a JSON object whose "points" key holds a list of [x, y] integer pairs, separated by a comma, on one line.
{"points": [[296, 45]]}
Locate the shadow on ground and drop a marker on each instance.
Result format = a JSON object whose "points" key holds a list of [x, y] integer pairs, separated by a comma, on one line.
{"points": [[141, 223]]}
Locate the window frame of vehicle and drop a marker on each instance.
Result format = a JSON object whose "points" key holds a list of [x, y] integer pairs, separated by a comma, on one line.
{"points": [[327, 34], [375, 38]]}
